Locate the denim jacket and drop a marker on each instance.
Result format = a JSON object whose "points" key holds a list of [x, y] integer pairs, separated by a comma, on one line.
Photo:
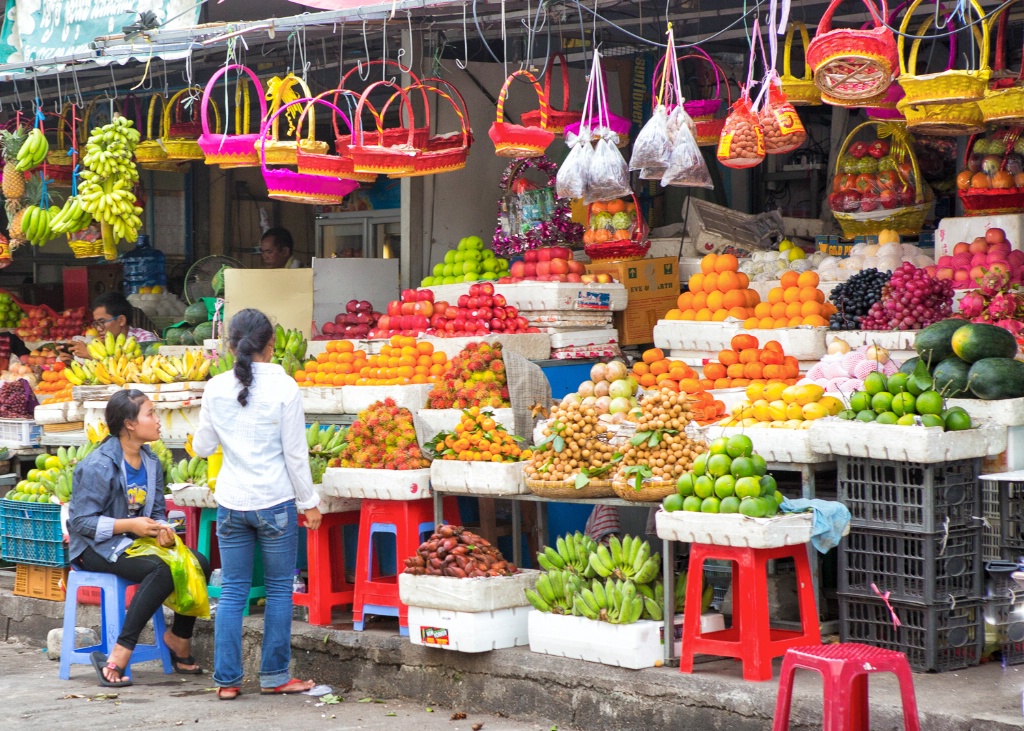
{"points": [[100, 496]]}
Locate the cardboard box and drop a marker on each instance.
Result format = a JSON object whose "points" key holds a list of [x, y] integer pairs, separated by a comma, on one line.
{"points": [[644, 279], [283, 295], [636, 323]]}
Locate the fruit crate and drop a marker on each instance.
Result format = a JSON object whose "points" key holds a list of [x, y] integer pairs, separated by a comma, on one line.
{"points": [[912, 497], [18, 433], [921, 567], [32, 534], [40, 582], [935, 638]]}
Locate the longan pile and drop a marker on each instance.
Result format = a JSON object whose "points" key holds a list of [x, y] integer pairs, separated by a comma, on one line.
{"points": [[664, 412], [584, 445]]}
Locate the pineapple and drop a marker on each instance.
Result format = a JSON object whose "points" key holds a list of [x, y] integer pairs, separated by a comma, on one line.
{"points": [[32, 192], [14, 216], [13, 185]]}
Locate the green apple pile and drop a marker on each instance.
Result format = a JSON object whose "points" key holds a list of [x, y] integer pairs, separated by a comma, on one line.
{"points": [[905, 399], [728, 478], [10, 313], [468, 262]]}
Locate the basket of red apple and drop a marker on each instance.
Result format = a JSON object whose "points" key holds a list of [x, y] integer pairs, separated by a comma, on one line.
{"points": [[993, 177], [615, 230], [545, 264]]}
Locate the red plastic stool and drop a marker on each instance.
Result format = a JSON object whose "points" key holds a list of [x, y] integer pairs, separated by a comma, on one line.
{"points": [[408, 521], [325, 558], [844, 670], [751, 638], [192, 516]]}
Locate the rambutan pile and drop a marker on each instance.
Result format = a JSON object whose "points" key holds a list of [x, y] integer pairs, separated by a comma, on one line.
{"points": [[383, 438], [475, 377]]}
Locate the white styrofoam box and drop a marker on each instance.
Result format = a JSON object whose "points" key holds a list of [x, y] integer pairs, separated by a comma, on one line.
{"points": [[569, 320], [533, 346], [76, 412], [709, 622], [1013, 458], [358, 398], [584, 338], [176, 422], [322, 400], [775, 445], [731, 397], [688, 266], [93, 393], [803, 343], [485, 594], [357, 482], [429, 422], [469, 631], [587, 352], [951, 231], [905, 443], [733, 529], [575, 296], [169, 387], [1006, 412], [192, 496], [171, 351], [635, 646], [477, 478], [890, 340], [52, 413], [330, 504], [700, 337]]}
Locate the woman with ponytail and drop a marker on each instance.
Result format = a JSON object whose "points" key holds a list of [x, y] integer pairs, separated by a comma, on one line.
{"points": [[254, 413]]}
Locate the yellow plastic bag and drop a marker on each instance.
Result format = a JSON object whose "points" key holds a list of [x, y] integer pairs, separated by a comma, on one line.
{"points": [[189, 597]]}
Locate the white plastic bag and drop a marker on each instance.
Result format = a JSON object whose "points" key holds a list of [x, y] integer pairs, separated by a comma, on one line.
{"points": [[608, 177], [686, 168], [652, 148], [571, 180]]}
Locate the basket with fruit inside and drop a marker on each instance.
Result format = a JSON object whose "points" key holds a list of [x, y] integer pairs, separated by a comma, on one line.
{"points": [[992, 180], [615, 230]]}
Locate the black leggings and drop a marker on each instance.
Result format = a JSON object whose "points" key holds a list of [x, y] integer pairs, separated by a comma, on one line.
{"points": [[155, 584]]}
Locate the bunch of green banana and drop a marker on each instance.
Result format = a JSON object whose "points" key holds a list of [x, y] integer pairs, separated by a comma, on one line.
{"points": [[33, 151], [70, 456], [36, 224], [555, 592], [571, 553], [627, 559], [108, 182], [654, 600], [223, 364], [72, 217], [191, 471], [289, 349], [58, 484], [325, 441], [164, 455], [616, 602]]}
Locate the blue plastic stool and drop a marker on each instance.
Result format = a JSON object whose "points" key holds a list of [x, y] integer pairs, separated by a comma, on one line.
{"points": [[112, 610], [207, 530]]}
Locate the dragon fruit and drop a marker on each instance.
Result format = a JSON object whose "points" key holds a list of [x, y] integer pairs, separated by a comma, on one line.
{"points": [[1014, 326], [993, 281], [1002, 306], [972, 304]]}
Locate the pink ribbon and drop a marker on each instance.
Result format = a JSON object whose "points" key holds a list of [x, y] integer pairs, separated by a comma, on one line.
{"points": [[896, 623]]}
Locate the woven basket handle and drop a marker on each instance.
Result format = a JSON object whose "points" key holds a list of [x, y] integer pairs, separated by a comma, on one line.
{"points": [[825, 25], [62, 124], [564, 65], [242, 120], [719, 74], [451, 90], [149, 116], [275, 116], [918, 187], [982, 38], [787, 50], [357, 132], [319, 98], [175, 103], [286, 83], [520, 166], [349, 94], [544, 106], [208, 94], [443, 95], [85, 118], [414, 79]]}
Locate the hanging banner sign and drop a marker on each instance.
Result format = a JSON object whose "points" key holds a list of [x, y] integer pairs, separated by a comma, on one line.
{"points": [[53, 28]]}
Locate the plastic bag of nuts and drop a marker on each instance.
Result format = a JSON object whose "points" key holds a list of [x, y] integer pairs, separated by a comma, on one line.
{"points": [[783, 130], [742, 142]]}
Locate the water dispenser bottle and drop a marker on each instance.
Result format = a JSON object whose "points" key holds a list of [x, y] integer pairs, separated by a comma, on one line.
{"points": [[144, 266]]}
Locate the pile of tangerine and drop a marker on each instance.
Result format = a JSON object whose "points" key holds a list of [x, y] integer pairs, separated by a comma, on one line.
{"points": [[745, 363], [657, 371], [718, 291], [797, 301], [401, 361], [602, 235]]}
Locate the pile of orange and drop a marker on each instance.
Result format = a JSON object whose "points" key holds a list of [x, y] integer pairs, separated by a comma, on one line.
{"points": [[54, 385], [745, 363], [657, 371], [717, 292], [338, 365], [796, 301], [401, 361]]}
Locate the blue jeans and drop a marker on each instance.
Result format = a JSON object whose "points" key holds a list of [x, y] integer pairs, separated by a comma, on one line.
{"points": [[237, 532]]}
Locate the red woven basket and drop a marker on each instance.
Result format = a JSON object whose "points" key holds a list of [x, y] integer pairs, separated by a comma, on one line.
{"points": [[516, 140], [557, 119], [444, 159], [635, 247], [393, 135], [450, 140], [185, 128], [338, 165], [381, 158]]}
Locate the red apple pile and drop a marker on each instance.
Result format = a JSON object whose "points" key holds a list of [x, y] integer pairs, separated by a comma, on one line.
{"points": [[354, 323], [477, 313], [42, 323], [548, 264], [971, 261], [409, 315]]}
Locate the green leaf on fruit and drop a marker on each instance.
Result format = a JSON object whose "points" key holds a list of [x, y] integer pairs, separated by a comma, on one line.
{"points": [[582, 480], [640, 437], [559, 444]]}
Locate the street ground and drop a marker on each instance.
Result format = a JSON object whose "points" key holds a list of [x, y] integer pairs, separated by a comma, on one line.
{"points": [[37, 699]]}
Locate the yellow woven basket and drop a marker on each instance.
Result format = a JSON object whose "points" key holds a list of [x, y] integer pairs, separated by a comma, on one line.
{"points": [[149, 153], [86, 249], [943, 120], [282, 151], [182, 149], [946, 87], [1004, 99], [801, 91]]}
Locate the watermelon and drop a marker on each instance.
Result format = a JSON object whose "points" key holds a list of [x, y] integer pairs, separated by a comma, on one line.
{"points": [[187, 338], [196, 313], [202, 331], [950, 378], [996, 378], [975, 340], [173, 335], [934, 343], [151, 348], [908, 365]]}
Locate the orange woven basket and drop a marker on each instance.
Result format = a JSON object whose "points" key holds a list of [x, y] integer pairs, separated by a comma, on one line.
{"points": [[800, 90], [853, 67], [516, 140], [394, 135], [557, 119]]}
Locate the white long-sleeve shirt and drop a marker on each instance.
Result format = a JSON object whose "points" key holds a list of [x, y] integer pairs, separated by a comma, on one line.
{"points": [[266, 459]]}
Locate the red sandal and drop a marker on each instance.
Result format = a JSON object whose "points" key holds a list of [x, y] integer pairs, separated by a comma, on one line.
{"points": [[292, 686], [228, 693]]}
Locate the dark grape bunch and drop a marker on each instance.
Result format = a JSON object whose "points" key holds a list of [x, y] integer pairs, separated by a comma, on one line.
{"points": [[14, 401], [854, 297], [912, 300]]}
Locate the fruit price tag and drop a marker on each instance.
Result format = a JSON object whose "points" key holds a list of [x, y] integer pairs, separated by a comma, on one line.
{"points": [[587, 300]]}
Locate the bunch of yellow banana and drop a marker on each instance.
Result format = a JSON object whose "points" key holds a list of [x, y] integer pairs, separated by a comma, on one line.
{"points": [[37, 224], [111, 347], [33, 152], [108, 182], [98, 433], [165, 369], [72, 217], [81, 374]]}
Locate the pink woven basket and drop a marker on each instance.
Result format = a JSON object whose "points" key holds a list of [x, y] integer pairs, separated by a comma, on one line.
{"points": [[338, 165], [237, 150], [698, 108], [292, 187], [381, 158]]}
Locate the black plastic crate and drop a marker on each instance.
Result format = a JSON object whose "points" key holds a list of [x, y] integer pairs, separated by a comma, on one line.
{"points": [[914, 567], [917, 498], [938, 637], [1007, 616], [1011, 519]]}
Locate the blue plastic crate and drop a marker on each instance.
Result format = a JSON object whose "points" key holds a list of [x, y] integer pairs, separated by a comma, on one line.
{"points": [[32, 534]]}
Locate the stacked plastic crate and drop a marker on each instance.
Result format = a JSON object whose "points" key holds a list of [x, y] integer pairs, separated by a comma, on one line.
{"points": [[911, 569], [32, 538], [1004, 539]]}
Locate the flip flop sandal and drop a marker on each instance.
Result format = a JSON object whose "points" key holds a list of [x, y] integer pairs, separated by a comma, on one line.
{"points": [[228, 693], [176, 661], [99, 662], [292, 686]]}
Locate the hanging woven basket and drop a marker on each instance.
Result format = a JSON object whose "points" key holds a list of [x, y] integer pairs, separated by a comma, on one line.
{"points": [[393, 135], [993, 201], [450, 140], [853, 67], [338, 165], [179, 142], [801, 90], [516, 140], [281, 151], [443, 159], [380, 158], [943, 120], [237, 150], [1003, 103], [556, 119]]}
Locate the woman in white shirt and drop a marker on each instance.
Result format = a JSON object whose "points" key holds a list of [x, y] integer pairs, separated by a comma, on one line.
{"points": [[255, 414]]}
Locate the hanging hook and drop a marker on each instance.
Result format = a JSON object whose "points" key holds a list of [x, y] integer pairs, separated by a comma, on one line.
{"points": [[113, 82], [341, 55], [57, 105], [78, 92], [401, 49], [359, 65], [384, 53], [17, 95], [463, 65]]}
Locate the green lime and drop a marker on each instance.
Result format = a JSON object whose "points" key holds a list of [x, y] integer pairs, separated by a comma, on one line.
{"points": [[41, 461], [739, 445], [897, 383], [768, 485], [918, 384], [847, 414], [874, 383], [692, 504], [760, 466], [866, 415], [685, 485], [748, 487], [719, 465], [742, 467], [710, 505], [719, 446], [672, 503], [929, 402], [953, 410], [779, 497], [881, 402], [957, 421], [700, 464], [771, 507], [730, 504], [904, 403], [906, 420], [932, 420], [703, 487], [860, 401], [752, 507], [725, 486], [887, 417]]}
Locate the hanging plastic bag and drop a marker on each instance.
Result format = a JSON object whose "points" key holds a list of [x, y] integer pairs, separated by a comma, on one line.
{"points": [[608, 177], [686, 167], [189, 598], [571, 181], [783, 130], [678, 119], [652, 148], [742, 143]]}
